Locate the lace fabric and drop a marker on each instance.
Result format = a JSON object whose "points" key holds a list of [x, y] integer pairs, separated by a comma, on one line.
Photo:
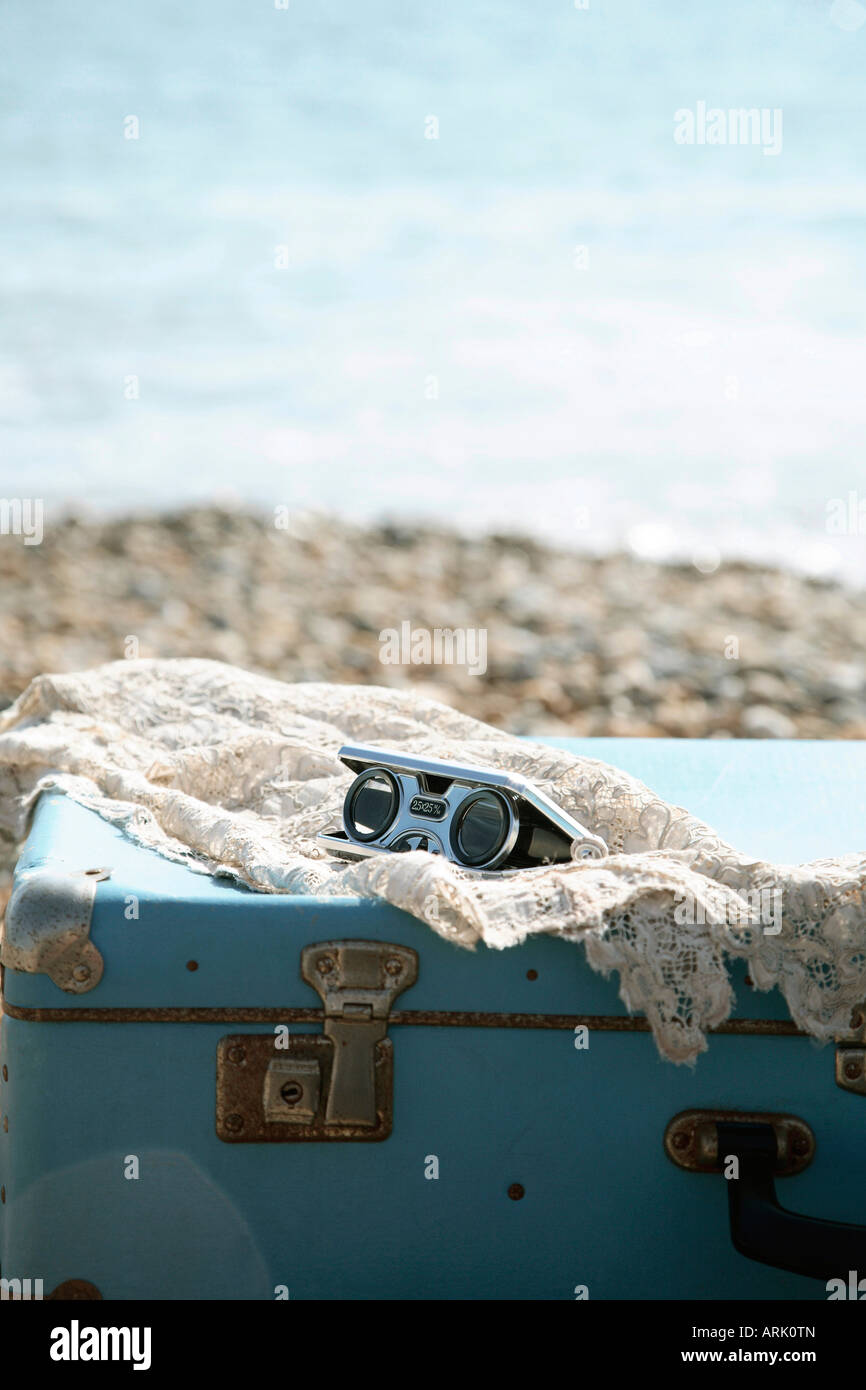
{"points": [[235, 774]]}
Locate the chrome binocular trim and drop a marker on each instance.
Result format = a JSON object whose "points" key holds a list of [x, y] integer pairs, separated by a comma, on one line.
{"points": [[475, 816]]}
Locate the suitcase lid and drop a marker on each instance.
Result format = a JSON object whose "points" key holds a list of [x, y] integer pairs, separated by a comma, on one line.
{"points": [[171, 938]]}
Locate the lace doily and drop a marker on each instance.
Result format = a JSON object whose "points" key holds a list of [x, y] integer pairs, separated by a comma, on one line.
{"points": [[234, 773]]}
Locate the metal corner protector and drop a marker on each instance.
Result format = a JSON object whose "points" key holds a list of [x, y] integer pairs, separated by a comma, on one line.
{"points": [[47, 927]]}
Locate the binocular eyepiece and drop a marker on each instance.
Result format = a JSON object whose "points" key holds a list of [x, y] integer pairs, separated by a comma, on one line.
{"points": [[476, 817]]}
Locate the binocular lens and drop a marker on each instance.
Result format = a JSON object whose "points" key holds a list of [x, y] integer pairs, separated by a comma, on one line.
{"points": [[372, 804], [481, 827]]}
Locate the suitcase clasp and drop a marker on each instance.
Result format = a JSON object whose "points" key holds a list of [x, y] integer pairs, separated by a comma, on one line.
{"points": [[851, 1055], [333, 1085]]}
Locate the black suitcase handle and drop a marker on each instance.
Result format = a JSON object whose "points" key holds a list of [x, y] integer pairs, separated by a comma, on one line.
{"points": [[764, 1230]]}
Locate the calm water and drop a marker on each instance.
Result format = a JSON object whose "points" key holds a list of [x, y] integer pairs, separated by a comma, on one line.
{"points": [[437, 343]]}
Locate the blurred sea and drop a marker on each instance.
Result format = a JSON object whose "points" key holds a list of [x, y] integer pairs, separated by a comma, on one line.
{"points": [[438, 345]]}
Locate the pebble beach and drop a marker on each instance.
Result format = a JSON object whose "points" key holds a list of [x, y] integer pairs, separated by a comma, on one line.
{"points": [[574, 643]]}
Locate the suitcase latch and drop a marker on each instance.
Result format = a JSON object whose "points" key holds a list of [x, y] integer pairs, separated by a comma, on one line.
{"points": [[333, 1085], [851, 1055]]}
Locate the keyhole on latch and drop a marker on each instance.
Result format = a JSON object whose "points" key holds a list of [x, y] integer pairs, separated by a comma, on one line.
{"points": [[292, 1092]]}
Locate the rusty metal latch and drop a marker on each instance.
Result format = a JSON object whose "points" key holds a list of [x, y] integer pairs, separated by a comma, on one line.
{"points": [[851, 1055], [333, 1085]]}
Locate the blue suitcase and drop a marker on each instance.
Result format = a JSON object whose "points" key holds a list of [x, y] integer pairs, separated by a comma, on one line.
{"points": [[209, 1093]]}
